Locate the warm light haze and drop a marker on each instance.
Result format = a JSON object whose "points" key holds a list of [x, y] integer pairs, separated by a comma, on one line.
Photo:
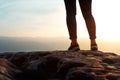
{"points": [[47, 19]]}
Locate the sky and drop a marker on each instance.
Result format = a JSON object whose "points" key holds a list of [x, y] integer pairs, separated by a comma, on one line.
{"points": [[46, 18]]}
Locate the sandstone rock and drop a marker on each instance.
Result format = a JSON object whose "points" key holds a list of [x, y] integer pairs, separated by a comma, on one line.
{"points": [[8, 71], [60, 65]]}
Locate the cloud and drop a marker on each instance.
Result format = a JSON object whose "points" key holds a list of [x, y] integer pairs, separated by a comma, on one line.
{"points": [[28, 6], [23, 10], [29, 17]]}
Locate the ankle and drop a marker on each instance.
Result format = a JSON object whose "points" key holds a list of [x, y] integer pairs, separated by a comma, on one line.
{"points": [[74, 41], [94, 46], [93, 41]]}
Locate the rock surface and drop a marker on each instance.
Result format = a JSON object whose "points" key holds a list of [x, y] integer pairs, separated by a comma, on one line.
{"points": [[59, 65]]}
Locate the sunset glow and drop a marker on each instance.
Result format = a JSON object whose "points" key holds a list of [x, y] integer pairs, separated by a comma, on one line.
{"points": [[32, 18], [47, 18]]}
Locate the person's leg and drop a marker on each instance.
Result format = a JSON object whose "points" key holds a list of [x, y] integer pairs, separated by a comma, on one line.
{"points": [[90, 22], [70, 6]]}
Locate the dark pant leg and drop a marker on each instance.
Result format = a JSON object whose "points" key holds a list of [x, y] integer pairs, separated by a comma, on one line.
{"points": [[87, 14], [70, 6]]}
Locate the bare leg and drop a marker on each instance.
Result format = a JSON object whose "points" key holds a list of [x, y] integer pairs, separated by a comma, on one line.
{"points": [[70, 6], [90, 22]]}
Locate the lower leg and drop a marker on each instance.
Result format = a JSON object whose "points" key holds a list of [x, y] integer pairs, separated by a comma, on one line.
{"points": [[93, 41], [92, 32], [74, 41], [72, 28], [91, 27], [90, 22], [71, 24], [85, 6], [70, 6]]}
